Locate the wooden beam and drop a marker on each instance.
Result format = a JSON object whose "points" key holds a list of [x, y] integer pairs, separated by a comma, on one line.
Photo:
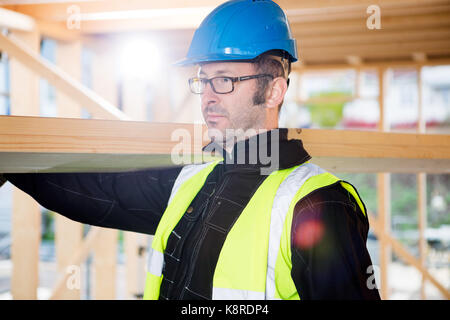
{"points": [[359, 11], [59, 135], [375, 50], [349, 26], [353, 13], [314, 100], [60, 79], [306, 4], [374, 37], [98, 17], [16, 21], [58, 10], [366, 65], [26, 217], [116, 16], [29, 144], [419, 56], [137, 21], [58, 31]]}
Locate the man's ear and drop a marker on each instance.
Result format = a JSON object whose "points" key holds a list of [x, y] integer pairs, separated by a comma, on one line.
{"points": [[276, 92]]}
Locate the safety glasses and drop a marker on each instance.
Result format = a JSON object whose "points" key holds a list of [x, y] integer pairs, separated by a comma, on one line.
{"points": [[220, 85]]}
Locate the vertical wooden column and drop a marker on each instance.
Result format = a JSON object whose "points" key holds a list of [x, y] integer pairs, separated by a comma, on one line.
{"points": [[134, 97], [421, 187], [162, 109], [135, 244], [357, 92], [185, 106], [68, 233], [105, 248], [26, 217], [383, 195], [384, 218], [299, 89]]}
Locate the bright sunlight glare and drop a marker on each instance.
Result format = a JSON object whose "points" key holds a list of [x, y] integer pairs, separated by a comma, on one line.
{"points": [[140, 58]]}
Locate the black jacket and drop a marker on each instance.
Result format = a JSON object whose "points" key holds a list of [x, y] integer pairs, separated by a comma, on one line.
{"points": [[329, 232]]}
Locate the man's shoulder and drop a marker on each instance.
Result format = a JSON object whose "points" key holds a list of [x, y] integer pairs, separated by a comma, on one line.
{"points": [[329, 200], [330, 193]]}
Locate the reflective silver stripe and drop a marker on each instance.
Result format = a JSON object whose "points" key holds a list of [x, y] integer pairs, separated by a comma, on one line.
{"points": [[186, 173], [283, 198], [236, 294], [155, 262]]}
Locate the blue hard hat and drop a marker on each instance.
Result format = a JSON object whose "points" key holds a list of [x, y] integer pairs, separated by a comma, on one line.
{"points": [[241, 30]]}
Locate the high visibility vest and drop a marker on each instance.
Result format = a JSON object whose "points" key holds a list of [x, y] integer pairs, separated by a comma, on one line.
{"points": [[260, 269]]}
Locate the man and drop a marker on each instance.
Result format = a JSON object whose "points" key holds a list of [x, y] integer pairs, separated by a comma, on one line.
{"points": [[243, 227]]}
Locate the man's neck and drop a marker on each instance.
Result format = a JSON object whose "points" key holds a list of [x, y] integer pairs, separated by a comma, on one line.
{"points": [[230, 140]]}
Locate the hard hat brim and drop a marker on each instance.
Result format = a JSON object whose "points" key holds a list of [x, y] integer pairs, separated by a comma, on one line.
{"points": [[223, 57]]}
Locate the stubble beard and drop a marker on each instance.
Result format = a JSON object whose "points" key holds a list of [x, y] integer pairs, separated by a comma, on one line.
{"points": [[241, 127]]}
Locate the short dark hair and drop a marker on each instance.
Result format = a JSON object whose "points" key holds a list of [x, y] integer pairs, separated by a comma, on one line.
{"points": [[265, 63]]}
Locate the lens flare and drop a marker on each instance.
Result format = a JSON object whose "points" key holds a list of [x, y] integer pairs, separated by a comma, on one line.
{"points": [[308, 234]]}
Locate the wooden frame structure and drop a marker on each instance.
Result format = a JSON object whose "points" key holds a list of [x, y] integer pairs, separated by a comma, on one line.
{"points": [[34, 144]]}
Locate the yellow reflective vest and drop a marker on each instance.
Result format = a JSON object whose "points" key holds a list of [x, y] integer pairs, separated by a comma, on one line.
{"points": [[255, 260]]}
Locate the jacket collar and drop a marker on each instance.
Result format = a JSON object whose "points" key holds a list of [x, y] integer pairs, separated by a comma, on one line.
{"points": [[270, 150]]}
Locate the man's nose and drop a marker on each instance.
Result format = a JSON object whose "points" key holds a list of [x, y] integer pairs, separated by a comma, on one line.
{"points": [[209, 96]]}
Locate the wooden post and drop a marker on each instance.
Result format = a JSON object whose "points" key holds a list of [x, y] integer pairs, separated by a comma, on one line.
{"points": [[134, 106], [384, 216], [185, 105], [26, 218], [421, 188], [162, 108], [105, 249], [78, 256], [383, 195], [68, 233], [134, 99], [358, 75]]}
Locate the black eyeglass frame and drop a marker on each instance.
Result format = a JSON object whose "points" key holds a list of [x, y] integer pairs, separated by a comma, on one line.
{"points": [[233, 80]]}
